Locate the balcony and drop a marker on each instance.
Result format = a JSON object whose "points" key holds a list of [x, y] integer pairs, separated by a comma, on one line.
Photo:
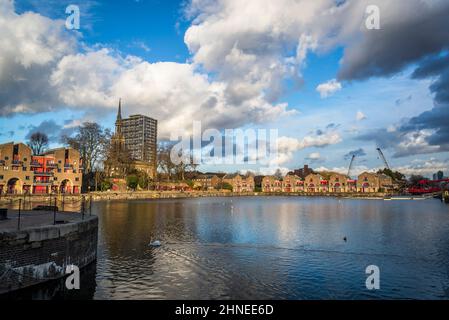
{"points": [[2, 162], [52, 165], [35, 164], [43, 183], [17, 163], [43, 174]]}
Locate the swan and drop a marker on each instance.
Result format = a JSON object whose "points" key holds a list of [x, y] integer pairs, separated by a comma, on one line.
{"points": [[155, 243]]}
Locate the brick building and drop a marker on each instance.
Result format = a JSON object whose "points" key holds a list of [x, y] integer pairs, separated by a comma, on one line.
{"points": [[58, 170], [240, 183], [372, 182], [315, 183], [207, 181], [271, 184], [292, 183], [338, 183]]}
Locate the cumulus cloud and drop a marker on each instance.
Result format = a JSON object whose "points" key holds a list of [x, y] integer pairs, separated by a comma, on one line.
{"points": [[51, 71], [360, 116], [287, 146], [328, 88], [424, 167]]}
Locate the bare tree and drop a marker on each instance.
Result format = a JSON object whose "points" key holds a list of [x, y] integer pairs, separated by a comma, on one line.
{"points": [[38, 142], [164, 163], [92, 141]]}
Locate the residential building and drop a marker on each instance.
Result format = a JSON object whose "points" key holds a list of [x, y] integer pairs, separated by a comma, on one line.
{"points": [[314, 182], [240, 183], [56, 171], [338, 183], [271, 184], [292, 183], [133, 146], [372, 182], [207, 181], [302, 173]]}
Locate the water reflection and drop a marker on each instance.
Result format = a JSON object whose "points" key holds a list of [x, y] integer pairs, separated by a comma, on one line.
{"points": [[271, 248]]}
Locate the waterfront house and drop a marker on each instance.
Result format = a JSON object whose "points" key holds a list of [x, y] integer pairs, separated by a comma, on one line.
{"points": [[292, 183], [373, 182], [271, 184], [313, 183], [55, 171], [240, 183], [206, 182], [338, 183]]}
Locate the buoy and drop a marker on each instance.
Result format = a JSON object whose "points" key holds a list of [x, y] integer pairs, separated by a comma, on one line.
{"points": [[345, 239]]}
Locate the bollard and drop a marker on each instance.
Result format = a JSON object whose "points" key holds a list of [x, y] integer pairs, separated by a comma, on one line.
{"points": [[18, 220], [54, 213], [82, 207]]}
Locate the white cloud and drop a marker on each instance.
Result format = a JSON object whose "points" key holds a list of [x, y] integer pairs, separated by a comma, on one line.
{"points": [[314, 156], [328, 88], [360, 116], [424, 167], [287, 146]]}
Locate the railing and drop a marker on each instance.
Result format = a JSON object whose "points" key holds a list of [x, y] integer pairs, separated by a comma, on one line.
{"points": [[55, 204]]}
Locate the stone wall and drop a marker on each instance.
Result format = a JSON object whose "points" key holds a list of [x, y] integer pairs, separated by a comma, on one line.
{"points": [[36, 255]]}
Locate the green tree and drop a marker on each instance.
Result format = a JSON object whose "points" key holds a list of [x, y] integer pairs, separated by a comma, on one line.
{"points": [[132, 181], [227, 186], [105, 185]]}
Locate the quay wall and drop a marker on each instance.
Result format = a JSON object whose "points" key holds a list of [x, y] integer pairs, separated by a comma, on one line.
{"points": [[36, 255], [100, 196]]}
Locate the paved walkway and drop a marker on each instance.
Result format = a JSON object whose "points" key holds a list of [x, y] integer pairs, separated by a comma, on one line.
{"points": [[32, 219]]}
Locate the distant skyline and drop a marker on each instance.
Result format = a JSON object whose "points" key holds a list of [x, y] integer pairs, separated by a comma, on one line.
{"points": [[308, 68]]}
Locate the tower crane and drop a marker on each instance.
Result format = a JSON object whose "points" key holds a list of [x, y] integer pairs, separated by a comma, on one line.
{"points": [[381, 154], [350, 165]]}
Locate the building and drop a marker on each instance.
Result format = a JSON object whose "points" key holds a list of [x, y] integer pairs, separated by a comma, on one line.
{"points": [[292, 183], [315, 183], [302, 173], [440, 175], [372, 182], [207, 182], [271, 184], [339, 183], [133, 146], [56, 171], [240, 183]]}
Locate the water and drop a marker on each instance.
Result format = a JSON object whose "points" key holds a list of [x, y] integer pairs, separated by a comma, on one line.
{"points": [[268, 248]]}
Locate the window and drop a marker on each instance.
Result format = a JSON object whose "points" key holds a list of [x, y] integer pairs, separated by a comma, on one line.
{"points": [[6, 158], [77, 179], [24, 168], [55, 179], [27, 178], [25, 159], [1, 177]]}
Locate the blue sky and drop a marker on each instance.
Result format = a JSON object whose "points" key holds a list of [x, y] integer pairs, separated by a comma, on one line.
{"points": [[205, 56]]}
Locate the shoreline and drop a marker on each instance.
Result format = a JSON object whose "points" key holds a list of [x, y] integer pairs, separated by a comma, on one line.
{"points": [[154, 195]]}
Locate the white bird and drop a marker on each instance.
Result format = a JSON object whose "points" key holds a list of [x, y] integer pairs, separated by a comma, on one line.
{"points": [[155, 243]]}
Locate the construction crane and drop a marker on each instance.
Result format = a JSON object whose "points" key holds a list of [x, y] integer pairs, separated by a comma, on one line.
{"points": [[381, 154], [350, 165]]}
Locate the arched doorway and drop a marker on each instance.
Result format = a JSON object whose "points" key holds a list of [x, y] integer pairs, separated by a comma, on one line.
{"points": [[337, 187], [365, 187], [66, 186], [311, 187], [14, 186]]}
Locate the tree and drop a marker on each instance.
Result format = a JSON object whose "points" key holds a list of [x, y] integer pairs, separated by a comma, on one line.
{"points": [[92, 141], [132, 181], [278, 174], [415, 179], [164, 163], [227, 186], [38, 142]]}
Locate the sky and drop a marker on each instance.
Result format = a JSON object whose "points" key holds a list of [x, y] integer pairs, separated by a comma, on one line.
{"points": [[311, 69]]}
